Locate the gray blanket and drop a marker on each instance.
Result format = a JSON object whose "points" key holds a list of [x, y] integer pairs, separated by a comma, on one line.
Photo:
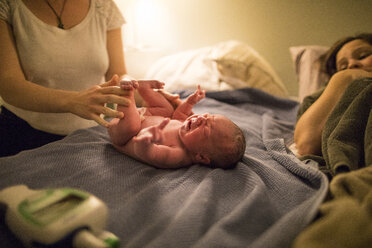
{"points": [[266, 201]]}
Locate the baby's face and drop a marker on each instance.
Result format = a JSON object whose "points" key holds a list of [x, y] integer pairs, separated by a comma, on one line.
{"points": [[201, 132]]}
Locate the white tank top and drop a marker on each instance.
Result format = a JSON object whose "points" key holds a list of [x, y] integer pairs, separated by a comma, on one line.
{"points": [[73, 59]]}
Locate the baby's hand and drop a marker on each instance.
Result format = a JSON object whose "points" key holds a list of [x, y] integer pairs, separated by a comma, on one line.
{"points": [[153, 134], [196, 96], [129, 84]]}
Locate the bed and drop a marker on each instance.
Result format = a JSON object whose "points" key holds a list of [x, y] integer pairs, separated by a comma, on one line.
{"points": [[268, 200]]}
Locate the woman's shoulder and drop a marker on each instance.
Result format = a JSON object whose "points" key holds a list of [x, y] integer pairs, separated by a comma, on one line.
{"points": [[105, 7], [110, 12], [104, 3]]}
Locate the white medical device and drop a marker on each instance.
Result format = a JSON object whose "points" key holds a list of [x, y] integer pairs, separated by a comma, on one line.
{"points": [[57, 217]]}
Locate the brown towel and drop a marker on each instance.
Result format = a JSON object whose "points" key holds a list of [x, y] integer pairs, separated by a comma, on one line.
{"points": [[345, 220]]}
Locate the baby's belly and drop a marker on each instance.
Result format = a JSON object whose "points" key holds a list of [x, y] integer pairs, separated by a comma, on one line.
{"points": [[170, 131]]}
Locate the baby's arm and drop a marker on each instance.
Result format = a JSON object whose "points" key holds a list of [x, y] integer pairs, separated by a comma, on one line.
{"points": [[122, 130], [147, 146], [155, 102], [184, 110]]}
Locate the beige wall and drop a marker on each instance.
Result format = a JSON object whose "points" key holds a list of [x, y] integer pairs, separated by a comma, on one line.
{"points": [[269, 26]]}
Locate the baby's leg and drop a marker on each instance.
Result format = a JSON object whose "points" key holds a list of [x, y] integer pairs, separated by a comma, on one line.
{"points": [[155, 102], [122, 130]]}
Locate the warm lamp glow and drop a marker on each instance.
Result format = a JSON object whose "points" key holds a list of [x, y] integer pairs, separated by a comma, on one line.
{"points": [[147, 23], [147, 20], [147, 11]]}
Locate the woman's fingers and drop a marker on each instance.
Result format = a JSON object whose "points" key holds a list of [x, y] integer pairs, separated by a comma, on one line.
{"points": [[114, 81], [100, 121], [111, 94], [116, 90], [107, 112], [114, 99], [111, 113]]}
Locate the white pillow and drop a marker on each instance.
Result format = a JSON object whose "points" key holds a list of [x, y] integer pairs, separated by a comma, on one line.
{"points": [[227, 65], [185, 70], [307, 66]]}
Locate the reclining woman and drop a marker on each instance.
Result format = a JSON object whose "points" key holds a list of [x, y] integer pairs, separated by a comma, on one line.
{"points": [[347, 60]]}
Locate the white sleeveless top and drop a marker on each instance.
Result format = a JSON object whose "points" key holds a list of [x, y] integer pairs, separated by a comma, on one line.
{"points": [[74, 59]]}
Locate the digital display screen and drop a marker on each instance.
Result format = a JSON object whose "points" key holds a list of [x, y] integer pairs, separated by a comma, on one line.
{"points": [[57, 209]]}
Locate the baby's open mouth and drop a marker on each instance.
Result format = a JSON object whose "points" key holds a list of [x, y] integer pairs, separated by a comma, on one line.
{"points": [[192, 124], [189, 125]]}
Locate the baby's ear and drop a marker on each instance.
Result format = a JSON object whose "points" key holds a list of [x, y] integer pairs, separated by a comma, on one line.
{"points": [[202, 158]]}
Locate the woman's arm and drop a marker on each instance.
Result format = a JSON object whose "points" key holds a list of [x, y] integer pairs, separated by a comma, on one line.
{"points": [[309, 128], [19, 92], [115, 52]]}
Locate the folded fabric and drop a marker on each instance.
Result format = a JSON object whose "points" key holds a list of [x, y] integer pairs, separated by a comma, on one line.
{"points": [[346, 139], [346, 220], [343, 139]]}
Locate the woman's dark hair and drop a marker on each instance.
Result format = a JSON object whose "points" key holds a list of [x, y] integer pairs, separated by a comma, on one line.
{"points": [[329, 58]]}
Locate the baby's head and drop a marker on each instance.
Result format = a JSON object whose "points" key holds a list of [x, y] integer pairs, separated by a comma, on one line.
{"points": [[213, 140]]}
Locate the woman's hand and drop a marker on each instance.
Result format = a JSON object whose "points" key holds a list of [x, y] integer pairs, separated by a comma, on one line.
{"points": [[90, 104], [345, 77]]}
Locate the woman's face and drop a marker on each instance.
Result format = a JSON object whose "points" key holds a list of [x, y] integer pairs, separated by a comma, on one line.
{"points": [[356, 54]]}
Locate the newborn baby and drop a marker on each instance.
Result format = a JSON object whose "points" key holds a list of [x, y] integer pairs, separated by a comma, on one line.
{"points": [[164, 137]]}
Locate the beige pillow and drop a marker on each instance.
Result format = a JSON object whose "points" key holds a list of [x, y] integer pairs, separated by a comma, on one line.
{"points": [[237, 62]]}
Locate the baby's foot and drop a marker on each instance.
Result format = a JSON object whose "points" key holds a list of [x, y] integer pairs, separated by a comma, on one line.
{"points": [[128, 84], [150, 84]]}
